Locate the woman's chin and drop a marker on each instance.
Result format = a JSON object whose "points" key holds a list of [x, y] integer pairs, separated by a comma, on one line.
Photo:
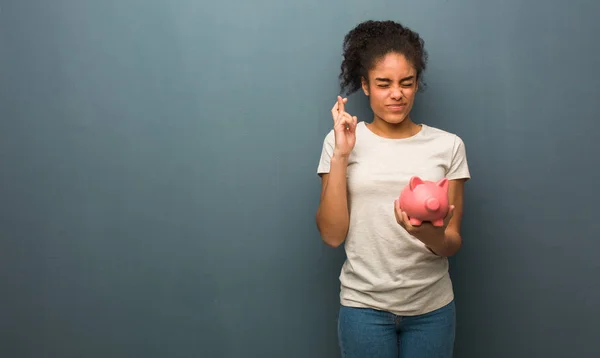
{"points": [[394, 119]]}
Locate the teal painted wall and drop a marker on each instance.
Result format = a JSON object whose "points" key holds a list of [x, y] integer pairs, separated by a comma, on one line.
{"points": [[158, 186]]}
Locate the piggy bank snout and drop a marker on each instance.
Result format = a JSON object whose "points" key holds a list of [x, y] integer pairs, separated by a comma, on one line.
{"points": [[432, 204]]}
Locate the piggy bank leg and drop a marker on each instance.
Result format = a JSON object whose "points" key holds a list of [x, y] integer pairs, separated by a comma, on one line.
{"points": [[415, 221], [438, 223]]}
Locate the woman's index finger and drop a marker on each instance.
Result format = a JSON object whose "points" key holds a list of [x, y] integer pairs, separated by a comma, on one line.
{"points": [[340, 104]]}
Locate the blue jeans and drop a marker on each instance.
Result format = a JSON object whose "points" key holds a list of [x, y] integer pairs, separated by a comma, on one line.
{"points": [[368, 333]]}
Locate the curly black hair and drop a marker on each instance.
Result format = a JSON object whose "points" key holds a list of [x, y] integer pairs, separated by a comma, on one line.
{"points": [[371, 40]]}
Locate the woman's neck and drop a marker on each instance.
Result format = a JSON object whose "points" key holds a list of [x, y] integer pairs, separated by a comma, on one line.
{"points": [[406, 128]]}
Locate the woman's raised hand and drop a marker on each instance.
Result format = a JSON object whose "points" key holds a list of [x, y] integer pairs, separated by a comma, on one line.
{"points": [[344, 127]]}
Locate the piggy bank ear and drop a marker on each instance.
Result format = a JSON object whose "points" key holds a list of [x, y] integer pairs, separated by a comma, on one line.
{"points": [[443, 183], [414, 181]]}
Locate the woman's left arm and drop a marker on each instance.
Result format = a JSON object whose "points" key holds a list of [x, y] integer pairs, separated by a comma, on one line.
{"points": [[453, 240]]}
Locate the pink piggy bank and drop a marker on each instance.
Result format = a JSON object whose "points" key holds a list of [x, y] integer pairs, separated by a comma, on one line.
{"points": [[424, 200]]}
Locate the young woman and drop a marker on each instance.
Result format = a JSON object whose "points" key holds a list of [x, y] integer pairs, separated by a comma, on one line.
{"points": [[396, 295]]}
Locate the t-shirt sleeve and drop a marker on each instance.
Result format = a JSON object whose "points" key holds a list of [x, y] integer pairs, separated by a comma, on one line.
{"points": [[459, 168], [326, 153]]}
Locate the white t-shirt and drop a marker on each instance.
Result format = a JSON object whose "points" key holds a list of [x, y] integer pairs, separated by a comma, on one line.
{"points": [[387, 268]]}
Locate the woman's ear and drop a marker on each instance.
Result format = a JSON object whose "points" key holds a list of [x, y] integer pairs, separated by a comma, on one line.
{"points": [[365, 86]]}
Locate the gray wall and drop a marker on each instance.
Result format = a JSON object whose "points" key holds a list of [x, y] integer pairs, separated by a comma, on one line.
{"points": [[158, 186]]}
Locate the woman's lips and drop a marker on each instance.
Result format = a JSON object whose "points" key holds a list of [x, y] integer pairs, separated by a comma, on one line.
{"points": [[396, 107]]}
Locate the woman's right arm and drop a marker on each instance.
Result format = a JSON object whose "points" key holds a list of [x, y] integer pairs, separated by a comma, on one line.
{"points": [[333, 217]]}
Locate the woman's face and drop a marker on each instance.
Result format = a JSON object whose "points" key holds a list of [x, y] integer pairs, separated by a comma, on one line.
{"points": [[391, 88]]}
